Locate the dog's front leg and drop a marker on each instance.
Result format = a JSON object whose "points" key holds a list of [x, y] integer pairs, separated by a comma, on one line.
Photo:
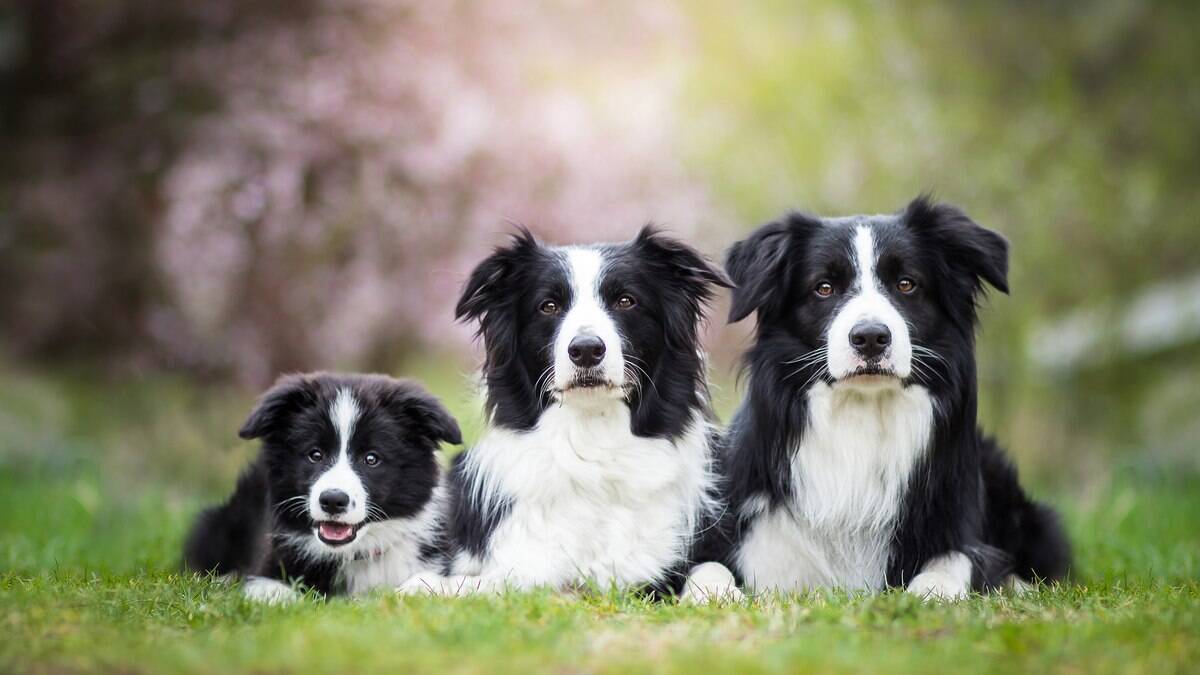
{"points": [[269, 591], [946, 577], [710, 582]]}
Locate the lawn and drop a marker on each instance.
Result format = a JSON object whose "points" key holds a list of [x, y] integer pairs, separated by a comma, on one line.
{"points": [[98, 482]]}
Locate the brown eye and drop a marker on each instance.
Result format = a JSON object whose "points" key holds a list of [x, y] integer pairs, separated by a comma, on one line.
{"points": [[548, 307], [371, 459], [316, 456], [626, 302], [906, 285], [824, 289]]}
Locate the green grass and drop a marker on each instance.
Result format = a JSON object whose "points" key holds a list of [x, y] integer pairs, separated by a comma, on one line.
{"points": [[99, 482]]}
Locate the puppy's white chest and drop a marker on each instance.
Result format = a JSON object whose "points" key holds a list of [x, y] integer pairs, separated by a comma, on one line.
{"points": [[850, 473], [589, 501]]}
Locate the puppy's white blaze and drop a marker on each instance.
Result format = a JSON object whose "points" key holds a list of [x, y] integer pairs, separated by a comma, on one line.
{"points": [[343, 413], [868, 302], [946, 577], [587, 315]]}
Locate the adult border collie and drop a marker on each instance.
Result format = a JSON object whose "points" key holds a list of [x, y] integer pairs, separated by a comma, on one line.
{"points": [[855, 461], [344, 496], [596, 466]]}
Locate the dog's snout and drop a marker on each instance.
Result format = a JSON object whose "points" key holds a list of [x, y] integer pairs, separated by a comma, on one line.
{"points": [[586, 351], [334, 502], [870, 338]]}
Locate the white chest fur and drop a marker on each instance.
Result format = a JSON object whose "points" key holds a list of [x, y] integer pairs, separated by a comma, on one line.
{"points": [[849, 474], [588, 500]]}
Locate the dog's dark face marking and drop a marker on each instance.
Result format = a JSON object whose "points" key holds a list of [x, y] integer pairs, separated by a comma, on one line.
{"points": [[867, 300], [578, 324], [343, 452]]}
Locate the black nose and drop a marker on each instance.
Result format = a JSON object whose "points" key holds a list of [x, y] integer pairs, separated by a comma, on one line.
{"points": [[586, 351], [870, 339], [334, 501]]}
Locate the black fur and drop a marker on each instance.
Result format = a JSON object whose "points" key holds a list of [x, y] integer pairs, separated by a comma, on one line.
{"points": [[256, 533], [963, 495]]}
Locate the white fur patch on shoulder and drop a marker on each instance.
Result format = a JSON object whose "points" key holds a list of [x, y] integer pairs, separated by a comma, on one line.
{"points": [[269, 591], [710, 582], [946, 577]]}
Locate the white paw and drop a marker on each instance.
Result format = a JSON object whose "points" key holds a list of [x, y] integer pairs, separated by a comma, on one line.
{"points": [[947, 577], [1016, 585], [269, 591], [432, 583], [710, 582]]}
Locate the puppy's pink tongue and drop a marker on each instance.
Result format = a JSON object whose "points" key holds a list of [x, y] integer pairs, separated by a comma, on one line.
{"points": [[336, 531]]}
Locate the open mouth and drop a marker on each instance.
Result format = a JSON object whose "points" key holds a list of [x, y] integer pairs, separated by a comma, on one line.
{"points": [[336, 534]]}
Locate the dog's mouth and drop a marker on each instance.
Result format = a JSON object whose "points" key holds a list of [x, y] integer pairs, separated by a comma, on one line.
{"points": [[590, 381], [336, 534], [871, 371]]}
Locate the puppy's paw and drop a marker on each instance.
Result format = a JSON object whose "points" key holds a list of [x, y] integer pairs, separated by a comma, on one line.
{"points": [[432, 583], [269, 591], [710, 582]]}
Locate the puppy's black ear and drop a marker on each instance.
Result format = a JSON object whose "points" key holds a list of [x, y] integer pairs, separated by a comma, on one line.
{"points": [[759, 265], [489, 281], [966, 246], [289, 395], [413, 406], [686, 265]]}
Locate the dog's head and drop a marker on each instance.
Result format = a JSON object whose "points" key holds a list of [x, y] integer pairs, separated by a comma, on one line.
{"points": [[586, 325], [343, 452], [867, 301]]}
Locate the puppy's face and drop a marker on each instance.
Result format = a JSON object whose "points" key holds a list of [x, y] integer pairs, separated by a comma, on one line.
{"points": [[867, 301], [583, 325], [343, 452]]}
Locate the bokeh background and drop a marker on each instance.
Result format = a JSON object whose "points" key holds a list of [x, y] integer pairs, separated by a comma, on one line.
{"points": [[198, 196]]}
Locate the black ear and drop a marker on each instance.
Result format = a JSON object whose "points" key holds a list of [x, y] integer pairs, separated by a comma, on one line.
{"points": [[687, 265], [759, 265], [410, 403], [966, 246], [489, 282], [289, 395]]}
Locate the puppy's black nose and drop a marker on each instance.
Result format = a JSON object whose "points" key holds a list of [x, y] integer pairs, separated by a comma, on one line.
{"points": [[334, 501], [870, 339], [586, 351]]}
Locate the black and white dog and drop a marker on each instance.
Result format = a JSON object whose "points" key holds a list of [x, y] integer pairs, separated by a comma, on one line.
{"points": [[345, 495], [596, 466], [855, 461]]}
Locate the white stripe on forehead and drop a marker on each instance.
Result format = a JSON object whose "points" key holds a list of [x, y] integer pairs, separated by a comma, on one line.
{"points": [[584, 266], [864, 258], [343, 412]]}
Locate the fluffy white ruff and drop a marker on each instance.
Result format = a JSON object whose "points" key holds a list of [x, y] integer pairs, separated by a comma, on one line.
{"points": [[946, 577], [710, 582], [849, 475], [385, 553], [587, 501]]}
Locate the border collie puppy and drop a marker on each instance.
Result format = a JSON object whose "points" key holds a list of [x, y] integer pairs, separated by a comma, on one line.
{"points": [[596, 466], [344, 496], [855, 461]]}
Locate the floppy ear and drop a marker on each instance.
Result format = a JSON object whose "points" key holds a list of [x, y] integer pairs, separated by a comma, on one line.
{"points": [[688, 266], [410, 403], [289, 394], [759, 266], [966, 246], [489, 281]]}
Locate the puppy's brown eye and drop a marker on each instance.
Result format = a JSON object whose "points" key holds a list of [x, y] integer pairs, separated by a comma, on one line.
{"points": [[626, 302], [548, 307], [316, 456], [371, 459], [824, 289], [906, 285]]}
